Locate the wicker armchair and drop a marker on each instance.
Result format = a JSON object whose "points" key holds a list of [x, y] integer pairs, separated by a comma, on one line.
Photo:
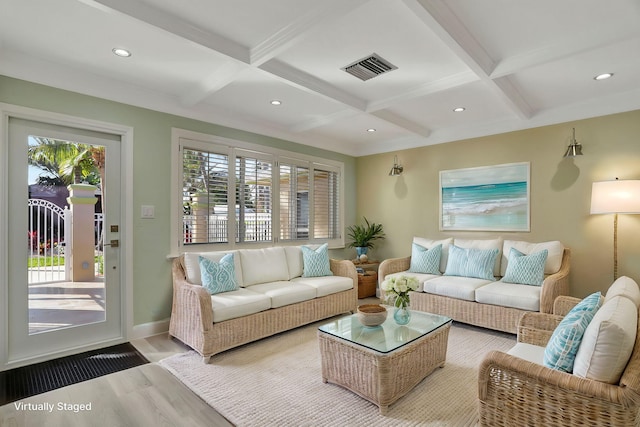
{"points": [[516, 392]]}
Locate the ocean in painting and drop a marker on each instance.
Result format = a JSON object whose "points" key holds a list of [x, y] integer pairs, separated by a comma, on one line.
{"points": [[502, 206]]}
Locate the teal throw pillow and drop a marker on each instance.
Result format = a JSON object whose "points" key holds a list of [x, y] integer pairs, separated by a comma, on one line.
{"points": [[425, 260], [560, 352], [220, 276], [468, 262], [526, 269], [315, 263]]}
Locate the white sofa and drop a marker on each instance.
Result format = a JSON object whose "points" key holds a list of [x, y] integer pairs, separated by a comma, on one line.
{"points": [[488, 302], [273, 296]]}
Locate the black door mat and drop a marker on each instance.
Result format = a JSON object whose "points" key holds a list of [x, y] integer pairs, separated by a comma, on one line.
{"points": [[39, 378]]}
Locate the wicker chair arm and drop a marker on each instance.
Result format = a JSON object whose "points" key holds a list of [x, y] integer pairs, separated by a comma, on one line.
{"points": [[191, 303], [563, 304], [526, 387], [344, 268], [536, 328], [556, 284], [393, 265]]}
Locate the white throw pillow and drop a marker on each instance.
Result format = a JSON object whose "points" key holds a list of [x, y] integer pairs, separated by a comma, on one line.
{"points": [[444, 254], [626, 287], [555, 251], [263, 265], [608, 341]]}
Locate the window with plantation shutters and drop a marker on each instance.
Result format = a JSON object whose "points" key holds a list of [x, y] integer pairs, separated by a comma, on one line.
{"points": [[234, 193], [294, 201], [205, 184], [325, 203], [253, 197]]}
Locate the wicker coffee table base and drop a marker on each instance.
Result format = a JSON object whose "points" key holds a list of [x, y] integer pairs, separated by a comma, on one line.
{"points": [[382, 378]]}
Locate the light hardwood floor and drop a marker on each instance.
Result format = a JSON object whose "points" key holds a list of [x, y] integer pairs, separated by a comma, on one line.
{"points": [[147, 395]]}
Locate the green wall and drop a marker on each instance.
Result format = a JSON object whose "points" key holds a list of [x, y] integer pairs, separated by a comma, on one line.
{"points": [[151, 178], [560, 192]]}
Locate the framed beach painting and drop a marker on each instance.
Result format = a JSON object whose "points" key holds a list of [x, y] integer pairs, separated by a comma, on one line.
{"points": [[488, 198]]}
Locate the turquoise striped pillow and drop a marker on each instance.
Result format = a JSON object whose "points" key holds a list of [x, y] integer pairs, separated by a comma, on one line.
{"points": [[425, 260], [526, 269], [315, 263], [220, 276], [468, 262], [560, 352]]}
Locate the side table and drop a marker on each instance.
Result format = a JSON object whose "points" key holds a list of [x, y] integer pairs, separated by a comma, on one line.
{"points": [[367, 281]]}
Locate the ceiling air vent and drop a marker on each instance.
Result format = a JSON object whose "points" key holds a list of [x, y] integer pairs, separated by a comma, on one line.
{"points": [[369, 67]]}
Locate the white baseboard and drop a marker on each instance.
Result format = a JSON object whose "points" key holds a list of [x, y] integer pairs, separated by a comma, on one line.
{"points": [[148, 329]]}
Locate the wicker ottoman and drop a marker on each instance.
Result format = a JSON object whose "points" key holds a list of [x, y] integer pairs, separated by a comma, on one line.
{"points": [[407, 355]]}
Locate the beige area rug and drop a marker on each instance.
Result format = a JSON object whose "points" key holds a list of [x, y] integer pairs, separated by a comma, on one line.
{"points": [[277, 382]]}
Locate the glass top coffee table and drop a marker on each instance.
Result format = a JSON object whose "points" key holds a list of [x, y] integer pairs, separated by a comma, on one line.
{"points": [[385, 362]]}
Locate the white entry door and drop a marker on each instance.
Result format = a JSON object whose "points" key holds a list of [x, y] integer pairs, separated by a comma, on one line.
{"points": [[57, 305]]}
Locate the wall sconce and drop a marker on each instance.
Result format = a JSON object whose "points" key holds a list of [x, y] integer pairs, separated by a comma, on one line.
{"points": [[574, 148], [396, 169], [614, 197]]}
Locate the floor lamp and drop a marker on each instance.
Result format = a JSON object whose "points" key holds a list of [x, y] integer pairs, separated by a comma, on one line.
{"points": [[615, 197]]}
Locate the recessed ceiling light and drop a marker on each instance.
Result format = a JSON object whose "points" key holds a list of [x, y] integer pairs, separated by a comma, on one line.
{"points": [[121, 52], [459, 109], [371, 130], [276, 102], [603, 76]]}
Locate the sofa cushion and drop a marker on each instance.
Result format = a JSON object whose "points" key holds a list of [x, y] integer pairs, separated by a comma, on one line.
{"points": [[624, 286], [483, 244], [294, 260], [525, 269], [555, 252], [239, 303], [608, 341], [285, 292], [526, 351], [326, 285], [425, 260], [420, 277], [218, 276], [562, 347], [315, 262], [469, 262], [454, 287], [191, 262], [263, 265], [522, 297], [428, 243]]}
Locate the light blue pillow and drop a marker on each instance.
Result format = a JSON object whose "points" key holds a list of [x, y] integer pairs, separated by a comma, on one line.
{"points": [[220, 276], [468, 262], [560, 352], [425, 260], [315, 263], [526, 269]]}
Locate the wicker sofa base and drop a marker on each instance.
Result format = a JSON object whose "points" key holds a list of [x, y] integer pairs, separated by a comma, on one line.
{"points": [[489, 316]]}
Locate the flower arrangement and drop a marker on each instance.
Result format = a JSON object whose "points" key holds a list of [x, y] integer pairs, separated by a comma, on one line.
{"points": [[397, 289]]}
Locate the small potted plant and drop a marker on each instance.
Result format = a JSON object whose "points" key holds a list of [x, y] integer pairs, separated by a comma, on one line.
{"points": [[362, 236]]}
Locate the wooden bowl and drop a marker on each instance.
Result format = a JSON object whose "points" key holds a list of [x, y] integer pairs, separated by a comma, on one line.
{"points": [[371, 314]]}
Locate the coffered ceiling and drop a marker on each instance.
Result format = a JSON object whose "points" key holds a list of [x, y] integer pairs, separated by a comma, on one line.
{"points": [[510, 64]]}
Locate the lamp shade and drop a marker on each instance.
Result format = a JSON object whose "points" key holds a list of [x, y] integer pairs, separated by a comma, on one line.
{"points": [[619, 196]]}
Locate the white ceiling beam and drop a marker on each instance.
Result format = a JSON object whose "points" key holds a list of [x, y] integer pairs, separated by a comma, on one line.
{"points": [[297, 30], [174, 25], [440, 19], [317, 122], [409, 125], [217, 80]]}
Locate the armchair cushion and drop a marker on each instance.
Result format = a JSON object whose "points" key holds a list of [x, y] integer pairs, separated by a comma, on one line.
{"points": [[626, 287], [525, 269], [608, 341], [425, 260], [563, 345]]}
